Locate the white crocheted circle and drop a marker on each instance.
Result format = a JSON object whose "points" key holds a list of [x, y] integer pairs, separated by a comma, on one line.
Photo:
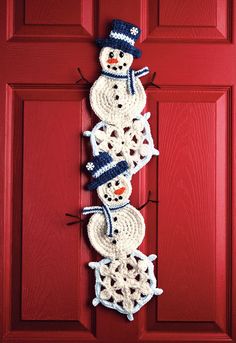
{"points": [[129, 230], [125, 285], [120, 62], [115, 192], [112, 102]]}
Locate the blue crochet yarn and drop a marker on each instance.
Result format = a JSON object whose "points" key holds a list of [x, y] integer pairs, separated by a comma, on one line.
{"points": [[103, 169], [122, 37], [107, 211], [130, 77]]}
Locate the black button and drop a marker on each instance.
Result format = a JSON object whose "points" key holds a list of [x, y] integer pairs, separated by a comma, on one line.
{"points": [[119, 105], [120, 67], [124, 64], [120, 197], [116, 199], [108, 66], [105, 196], [117, 97], [115, 219], [115, 86], [109, 199], [114, 68], [114, 242], [116, 231]]}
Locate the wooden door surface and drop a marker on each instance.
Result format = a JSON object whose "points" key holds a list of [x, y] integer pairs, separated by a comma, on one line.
{"points": [[47, 287]]}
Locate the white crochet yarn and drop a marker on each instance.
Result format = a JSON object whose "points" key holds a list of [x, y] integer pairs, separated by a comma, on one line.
{"points": [[90, 166], [125, 285], [123, 37], [115, 192], [110, 98], [104, 58], [129, 230], [132, 143], [134, 31]]}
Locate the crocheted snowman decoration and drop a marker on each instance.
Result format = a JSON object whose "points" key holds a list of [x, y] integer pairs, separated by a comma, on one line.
{"points": [[124, 280], [122, 144], [116, 228], [118, 95]]}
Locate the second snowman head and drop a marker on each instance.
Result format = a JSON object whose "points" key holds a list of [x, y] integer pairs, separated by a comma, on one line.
{"points": [[110, 178]]}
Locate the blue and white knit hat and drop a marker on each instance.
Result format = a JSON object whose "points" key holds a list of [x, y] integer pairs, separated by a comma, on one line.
{"points": [[103, 169], [122, 37]]}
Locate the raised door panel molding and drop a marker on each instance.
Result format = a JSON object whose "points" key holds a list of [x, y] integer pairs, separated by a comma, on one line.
{"points": [[56, 20], [186, 21], [47, 282], [190, 227]]}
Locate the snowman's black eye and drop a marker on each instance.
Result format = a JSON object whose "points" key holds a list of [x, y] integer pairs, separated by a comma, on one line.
{"points": [[121, 54], [117, 183], [111, 54], [109, 184]]}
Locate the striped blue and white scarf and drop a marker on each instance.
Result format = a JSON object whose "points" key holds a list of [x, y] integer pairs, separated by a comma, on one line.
{"points": [[107, 211], [129, 76]]}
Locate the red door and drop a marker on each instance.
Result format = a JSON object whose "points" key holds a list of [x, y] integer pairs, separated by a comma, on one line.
{"points": [[47, 286]]}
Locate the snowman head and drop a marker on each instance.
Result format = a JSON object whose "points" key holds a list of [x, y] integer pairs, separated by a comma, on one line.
{"points": [[115, 192], [115, 60]]}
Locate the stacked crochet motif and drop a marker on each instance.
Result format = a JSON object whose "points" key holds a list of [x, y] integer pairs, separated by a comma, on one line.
{"points": [[121, 144]]}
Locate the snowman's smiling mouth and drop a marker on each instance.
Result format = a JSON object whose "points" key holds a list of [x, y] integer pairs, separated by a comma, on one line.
{"points": [[116, 66], [112, 199]]}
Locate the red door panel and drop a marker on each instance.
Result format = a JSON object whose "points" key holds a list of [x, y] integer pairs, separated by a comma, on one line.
{"points": [[47, 285]]}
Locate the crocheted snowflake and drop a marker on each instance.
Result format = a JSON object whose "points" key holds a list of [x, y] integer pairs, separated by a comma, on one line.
{"points": [[134, 31], [90, 166], [133, 143], [127, 284]]}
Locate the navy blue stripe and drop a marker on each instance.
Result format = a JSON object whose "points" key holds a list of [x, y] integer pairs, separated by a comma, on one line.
{"points": [[113, 75], [109, 218], [141, 71], [131, 81]]}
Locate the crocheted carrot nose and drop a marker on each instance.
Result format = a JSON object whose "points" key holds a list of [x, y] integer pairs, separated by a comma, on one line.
{"points": [[112, 60], [120, 190]]}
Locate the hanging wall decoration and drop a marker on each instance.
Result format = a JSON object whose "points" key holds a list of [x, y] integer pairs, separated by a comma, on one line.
{"points": [[121, 145]]}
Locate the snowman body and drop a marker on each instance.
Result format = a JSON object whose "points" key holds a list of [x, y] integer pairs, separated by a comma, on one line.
{"points": [[128, 232], [111, 101]]}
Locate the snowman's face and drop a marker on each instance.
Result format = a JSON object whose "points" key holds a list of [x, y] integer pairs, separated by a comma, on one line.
{"points": [[115, 192], [115, 60]]}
